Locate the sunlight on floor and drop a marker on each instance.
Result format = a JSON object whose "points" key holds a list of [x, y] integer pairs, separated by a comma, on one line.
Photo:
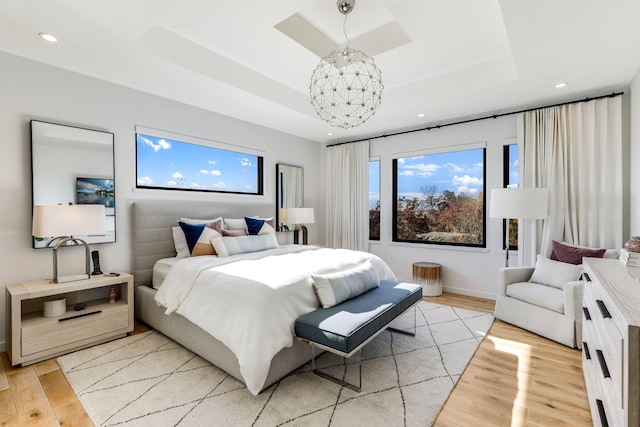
{"points": [[523, 353]]}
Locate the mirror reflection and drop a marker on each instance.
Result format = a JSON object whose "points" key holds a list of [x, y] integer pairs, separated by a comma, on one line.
{"points": [[73, 165], [289, 192]]}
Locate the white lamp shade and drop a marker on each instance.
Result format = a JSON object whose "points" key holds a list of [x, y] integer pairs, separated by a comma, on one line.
{"points": [[300, 216], [519, 203], [68, 220]]}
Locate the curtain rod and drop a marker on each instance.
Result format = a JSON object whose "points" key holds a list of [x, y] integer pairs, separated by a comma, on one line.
{"points": [[493, 116]]}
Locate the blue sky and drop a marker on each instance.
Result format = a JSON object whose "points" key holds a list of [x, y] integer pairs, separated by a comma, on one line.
{"points": [[456, 171], [167, 163]]}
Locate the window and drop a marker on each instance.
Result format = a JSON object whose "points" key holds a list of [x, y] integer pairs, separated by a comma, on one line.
{"points": [[170, 164], [374, 199], [510, 178], [439, 198]]}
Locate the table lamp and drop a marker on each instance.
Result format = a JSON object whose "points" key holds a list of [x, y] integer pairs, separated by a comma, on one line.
{"points": [[61, 223], [299, 217]]}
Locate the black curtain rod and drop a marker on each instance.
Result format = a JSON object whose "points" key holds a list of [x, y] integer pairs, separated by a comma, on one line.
{"points": [[494, 116]]}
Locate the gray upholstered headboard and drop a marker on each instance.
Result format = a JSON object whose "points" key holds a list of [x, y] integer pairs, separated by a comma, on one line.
{"points": [[151, 222]]}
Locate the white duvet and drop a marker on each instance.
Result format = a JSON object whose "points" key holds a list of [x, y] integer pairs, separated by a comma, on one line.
{"points": [[250, 301]]}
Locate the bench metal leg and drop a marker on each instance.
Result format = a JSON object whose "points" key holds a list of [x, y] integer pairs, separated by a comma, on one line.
{"points": [[356, 388], [404, 332]]}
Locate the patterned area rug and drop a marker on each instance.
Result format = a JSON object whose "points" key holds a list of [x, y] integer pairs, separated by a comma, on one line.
{"points": [[149, 380]]}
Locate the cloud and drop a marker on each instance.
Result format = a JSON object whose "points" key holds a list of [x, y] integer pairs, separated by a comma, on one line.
{"points": [[453, 167], [162, 144], [220, 184], [198, 186], [419, 169], [204, 171], [467, 180], [177, 175], [213, 172], [212, 162], [245, 162], [467, 190], [172, 183], [145, 180]]}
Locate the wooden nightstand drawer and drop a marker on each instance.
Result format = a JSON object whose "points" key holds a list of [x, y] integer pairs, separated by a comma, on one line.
{"points": [[32, 337], [45, 334]]}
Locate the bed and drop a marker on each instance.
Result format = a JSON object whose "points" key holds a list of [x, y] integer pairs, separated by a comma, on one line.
{"points": [[152, 239]]}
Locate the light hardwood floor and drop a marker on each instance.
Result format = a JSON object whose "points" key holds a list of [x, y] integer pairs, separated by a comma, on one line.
{"points": [[515, 379]]}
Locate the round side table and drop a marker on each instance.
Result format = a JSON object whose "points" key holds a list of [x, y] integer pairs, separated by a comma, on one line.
{"points": [[428, 274]]}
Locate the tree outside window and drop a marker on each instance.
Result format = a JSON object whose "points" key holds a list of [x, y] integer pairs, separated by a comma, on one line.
{"points": [[439, 198]]}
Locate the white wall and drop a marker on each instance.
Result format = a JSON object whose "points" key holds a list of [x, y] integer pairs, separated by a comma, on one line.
{"points": [[468, 271], [30, 90], [634, 158]]}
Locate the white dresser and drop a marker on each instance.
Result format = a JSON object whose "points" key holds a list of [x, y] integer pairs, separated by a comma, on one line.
{"points": [[611, 342]]}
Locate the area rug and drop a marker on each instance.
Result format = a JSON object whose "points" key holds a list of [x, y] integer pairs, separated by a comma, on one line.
{"points": [[149, 380]]}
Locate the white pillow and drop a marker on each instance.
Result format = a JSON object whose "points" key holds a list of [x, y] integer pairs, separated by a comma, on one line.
{"points": [[554, 273], [227, 246], [235, 224], [332, 289], [180, 243]]}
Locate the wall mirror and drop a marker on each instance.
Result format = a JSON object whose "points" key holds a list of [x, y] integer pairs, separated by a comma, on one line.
{"points": [[73, 165], [289, 192]]}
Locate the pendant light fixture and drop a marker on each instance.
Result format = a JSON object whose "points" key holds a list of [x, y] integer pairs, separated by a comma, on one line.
{"points": [[346, 86]]}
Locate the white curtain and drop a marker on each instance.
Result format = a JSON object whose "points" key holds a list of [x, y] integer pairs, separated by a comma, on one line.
{"points": [[575, 151], [347, 210]]}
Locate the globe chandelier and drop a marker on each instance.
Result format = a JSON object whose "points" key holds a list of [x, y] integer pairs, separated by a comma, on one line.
{"points": [[346, 86]]}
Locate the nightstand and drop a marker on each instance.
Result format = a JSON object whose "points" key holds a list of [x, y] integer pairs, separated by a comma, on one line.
{"points": [[32, 337]]}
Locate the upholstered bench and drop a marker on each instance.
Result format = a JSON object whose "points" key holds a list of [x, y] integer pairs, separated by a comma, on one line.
{"points": [[347, 327]]}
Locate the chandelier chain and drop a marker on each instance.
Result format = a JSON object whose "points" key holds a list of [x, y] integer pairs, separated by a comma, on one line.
{"points": [[344, 30]]}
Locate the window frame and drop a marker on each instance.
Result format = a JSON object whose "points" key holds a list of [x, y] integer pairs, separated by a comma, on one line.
{"points": [[445, 150], [376, 159], [506, 183], [214, 146]]}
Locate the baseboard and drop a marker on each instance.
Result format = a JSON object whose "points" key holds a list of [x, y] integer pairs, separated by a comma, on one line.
{"points": [[469, 292], [3, 346]]}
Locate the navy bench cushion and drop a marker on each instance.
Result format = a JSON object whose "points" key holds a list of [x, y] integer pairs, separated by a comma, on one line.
{"points": [[347, 325]]}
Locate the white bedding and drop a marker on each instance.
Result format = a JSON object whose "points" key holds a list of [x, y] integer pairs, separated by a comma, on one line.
{"points": [[251, 301], [161, 269]]}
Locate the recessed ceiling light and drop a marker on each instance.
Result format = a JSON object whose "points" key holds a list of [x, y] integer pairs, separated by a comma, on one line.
{"points": [[560, 85], [48, 37], [329, 134], [421, 115]]}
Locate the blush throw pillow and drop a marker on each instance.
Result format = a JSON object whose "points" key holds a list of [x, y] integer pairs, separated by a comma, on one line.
{"points": [[332, 289], [554, 273], [573, 254]]}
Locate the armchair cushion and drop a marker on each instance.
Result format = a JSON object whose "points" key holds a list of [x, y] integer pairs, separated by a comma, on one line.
{"points": [[554, 273], [540, 295]]}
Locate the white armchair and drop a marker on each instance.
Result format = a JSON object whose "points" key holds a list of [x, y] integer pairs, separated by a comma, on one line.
{"points": [[551, 310]]}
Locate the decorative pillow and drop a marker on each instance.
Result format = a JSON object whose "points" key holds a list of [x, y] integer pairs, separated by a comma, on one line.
{"points": [[198, 237], [235, 224], [573, 254], [332, 289], [233, 233], [180, 243], [258, 226], [554, 273], [227, 246], [215, 223]]}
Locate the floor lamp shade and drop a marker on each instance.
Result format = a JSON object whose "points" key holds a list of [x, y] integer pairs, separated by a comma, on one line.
{"points": [[519, 203]]}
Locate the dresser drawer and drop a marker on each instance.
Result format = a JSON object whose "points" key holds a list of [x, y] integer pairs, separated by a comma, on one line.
{"points": [[47, 334]]}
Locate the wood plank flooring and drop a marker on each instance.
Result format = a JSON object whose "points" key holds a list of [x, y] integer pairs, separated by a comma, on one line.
{"points": [[515, 379]]}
